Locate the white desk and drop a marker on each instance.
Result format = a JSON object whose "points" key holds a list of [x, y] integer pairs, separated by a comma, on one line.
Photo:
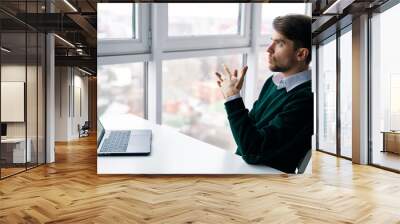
{"points": [[173, 153], [19, 149]]}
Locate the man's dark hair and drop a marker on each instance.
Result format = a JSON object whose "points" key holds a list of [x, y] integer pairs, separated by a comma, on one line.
{"points": [[296, 28]]}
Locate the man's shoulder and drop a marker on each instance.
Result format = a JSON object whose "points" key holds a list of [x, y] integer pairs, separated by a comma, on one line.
{"points": [[302, 91], [269, 80], [267, 84], [303, 87]]}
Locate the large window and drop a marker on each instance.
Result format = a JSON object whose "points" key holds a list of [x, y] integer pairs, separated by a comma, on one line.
{"points": [[327, 96], [263, 72], [193, 26], [385, 89], [116, 21], [198, 19], [121, 89], [192, 101], [123, 28], [394, 101], [346, 94], [272, 10]]}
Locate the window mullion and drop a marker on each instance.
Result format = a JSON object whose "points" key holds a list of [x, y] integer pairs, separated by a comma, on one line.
{"points": [[252, 57], [158, 14]]}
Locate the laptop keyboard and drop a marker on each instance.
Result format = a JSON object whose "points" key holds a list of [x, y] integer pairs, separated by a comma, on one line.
{"points": [[117, 141]]}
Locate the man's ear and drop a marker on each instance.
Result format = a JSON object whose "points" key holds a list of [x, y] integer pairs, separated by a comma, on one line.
{"points": [[302, 54]]}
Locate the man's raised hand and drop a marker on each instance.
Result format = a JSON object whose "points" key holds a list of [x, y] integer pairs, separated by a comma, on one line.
{"points": [[230, 83]]}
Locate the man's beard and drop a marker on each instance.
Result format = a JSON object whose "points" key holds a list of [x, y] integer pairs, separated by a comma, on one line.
{"points": [[276, 68]]}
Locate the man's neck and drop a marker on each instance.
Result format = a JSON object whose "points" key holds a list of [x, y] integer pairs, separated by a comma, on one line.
{"points": [[294, 70]]}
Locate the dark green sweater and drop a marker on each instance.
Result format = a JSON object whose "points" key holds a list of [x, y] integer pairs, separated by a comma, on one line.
{"points": [[277, 131]]}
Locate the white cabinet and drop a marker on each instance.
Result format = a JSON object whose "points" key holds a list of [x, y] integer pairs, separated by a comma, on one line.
{"points": [[18, 149]]}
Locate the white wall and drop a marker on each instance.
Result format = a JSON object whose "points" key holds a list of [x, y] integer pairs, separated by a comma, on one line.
{"points": [[16, 73], [61, 103], [33, 125], [79, 117], [70, 84]]}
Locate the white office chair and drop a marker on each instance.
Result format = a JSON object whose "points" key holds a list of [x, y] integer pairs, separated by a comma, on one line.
{"points": [[304, 162]]}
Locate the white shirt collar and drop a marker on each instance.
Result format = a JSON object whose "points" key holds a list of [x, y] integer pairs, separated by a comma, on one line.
{"points": [[292, 81]]}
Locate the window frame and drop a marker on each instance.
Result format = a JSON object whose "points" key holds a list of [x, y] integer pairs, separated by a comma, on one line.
{"points": [[184, 43], [371, 69], [340, 100], [332, 38], [108, 47]]}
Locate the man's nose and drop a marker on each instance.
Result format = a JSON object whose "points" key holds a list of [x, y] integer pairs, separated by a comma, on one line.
{"points": [[270, 48]]}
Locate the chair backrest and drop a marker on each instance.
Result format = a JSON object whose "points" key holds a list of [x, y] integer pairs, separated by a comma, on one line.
{"points": [[304, 162], [86, 125]]}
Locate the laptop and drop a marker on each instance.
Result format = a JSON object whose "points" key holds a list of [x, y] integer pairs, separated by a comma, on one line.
{"points": [[123, 142]]}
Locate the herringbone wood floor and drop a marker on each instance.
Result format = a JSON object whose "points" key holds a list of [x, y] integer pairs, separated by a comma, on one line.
{"points": [[70, 191]]}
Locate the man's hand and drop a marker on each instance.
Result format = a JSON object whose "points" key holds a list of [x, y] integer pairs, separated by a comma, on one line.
{"points": [[230, 84]]}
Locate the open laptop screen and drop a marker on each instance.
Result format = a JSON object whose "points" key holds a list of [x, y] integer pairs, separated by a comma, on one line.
{"points": [[100, 132]]}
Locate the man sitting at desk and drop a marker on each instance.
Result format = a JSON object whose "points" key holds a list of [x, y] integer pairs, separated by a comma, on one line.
{"points": [[277, 131]]}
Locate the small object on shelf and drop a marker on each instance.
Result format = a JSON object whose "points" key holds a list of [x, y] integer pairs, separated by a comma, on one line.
{"points": [[391, 141]]}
